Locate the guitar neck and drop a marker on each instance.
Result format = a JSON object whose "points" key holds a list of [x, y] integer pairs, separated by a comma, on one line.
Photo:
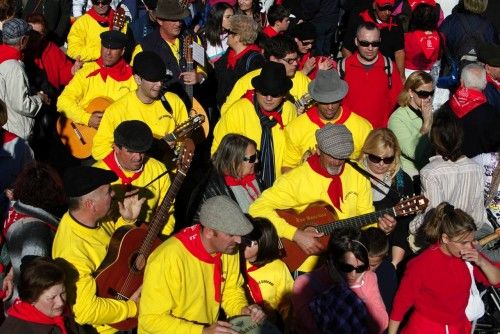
{"points": [[189, 88], [356, 222]]}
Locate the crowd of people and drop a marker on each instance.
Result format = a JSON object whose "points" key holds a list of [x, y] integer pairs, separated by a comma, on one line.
{"points": [[173, 166]]}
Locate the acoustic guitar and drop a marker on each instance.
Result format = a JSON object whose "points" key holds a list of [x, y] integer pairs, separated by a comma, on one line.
{"points": [[323, 219], [122, 270]]}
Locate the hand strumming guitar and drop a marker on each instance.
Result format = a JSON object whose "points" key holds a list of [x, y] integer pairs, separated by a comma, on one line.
{"points": [[307, 240], [130, 207]]}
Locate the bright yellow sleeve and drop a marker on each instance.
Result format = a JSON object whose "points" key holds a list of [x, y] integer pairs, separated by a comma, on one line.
{"points": [[233, 296], [239, 89], [68, 102], [104, 137]]}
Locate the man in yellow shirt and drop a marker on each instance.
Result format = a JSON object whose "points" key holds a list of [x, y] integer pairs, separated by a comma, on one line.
{"points": [[162, 113], [325, 177], [327, 90], [110, 76], [82, 239], [196, 272], [135, 170], [262, 115]]}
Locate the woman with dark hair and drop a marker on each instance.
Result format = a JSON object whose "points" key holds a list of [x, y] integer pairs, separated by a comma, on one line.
{"points": [[438, 282], [251, 8], [41, 307], [38, 202], [341, 296], [215, 32], [268, 278]]}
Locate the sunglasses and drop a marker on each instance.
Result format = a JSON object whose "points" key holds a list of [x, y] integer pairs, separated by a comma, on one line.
{"points": [[248, 242], [101, 2], [373, 158], [290, 60], [251, 159], [423, 94], [306, 43], [366, 44], [385, 7], [347, 268], [275, 96]]}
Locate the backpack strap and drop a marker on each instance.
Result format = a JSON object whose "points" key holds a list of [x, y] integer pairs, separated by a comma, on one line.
{"points": [[388, 70], [249, 61]]}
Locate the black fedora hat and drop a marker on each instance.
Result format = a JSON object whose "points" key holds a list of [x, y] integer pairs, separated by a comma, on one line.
{"points": [[272, 80], [172, 10]]}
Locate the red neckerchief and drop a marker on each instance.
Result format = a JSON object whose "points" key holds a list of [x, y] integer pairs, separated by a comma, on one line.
{"points": [[493, 81], [111, 162], [190, 238], [365, 15], [270, 32], [103, 19], [415, 3], [7, 136], [466, 99], [274, 114], [232, 57], [246, 182], [429, 43], [335, 187], [27, 312], [7, 52], [313, 115], [120, 71], [303, 60], [254, 287]]}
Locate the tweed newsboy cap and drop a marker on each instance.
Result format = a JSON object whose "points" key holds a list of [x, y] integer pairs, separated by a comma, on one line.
{"points": [[15, 28], [223, 214], [81, 180], [335, 140], [135, 136]]}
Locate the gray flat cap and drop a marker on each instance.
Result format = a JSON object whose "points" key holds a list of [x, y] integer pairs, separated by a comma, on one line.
{"points": [[222, 214]]}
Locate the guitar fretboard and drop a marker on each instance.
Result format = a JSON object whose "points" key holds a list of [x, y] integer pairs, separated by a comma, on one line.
{"points": [[356, 222]]}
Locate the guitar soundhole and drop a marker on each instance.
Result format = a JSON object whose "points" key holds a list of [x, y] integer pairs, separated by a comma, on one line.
{"points": [[138, 262]]}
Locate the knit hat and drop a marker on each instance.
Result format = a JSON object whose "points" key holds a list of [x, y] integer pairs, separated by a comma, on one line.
{"points": [[81, 180], [489, 54], [272, 79], [149, 66], [15, 28], [135, 136], [113, 39], [327, 87], [335, 140], [171, 10], [223, 214]]}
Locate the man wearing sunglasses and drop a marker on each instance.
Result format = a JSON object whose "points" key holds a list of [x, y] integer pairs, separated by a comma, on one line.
{"points": [[324, 177], [391, 31], [83, 38], [262, 114], [374, 82]]}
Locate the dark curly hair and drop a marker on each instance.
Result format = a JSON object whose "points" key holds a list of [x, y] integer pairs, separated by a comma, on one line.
{"points": [[424, 17]]}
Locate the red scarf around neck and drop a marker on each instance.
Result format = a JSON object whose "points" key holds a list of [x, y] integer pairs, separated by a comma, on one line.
{"points": [[232, 57], [465, 100], [8, 52], [191, 239], [335, 187], [365, 15], [103, 19], [314, 117], [121, 71], [246, 182], [111, 162], [254, 287], [27, 312], [249, 95]]}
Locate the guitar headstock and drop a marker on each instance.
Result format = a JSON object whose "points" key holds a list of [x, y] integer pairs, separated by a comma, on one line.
{"points": [[119, 18], [185, 156], [411, 206]]}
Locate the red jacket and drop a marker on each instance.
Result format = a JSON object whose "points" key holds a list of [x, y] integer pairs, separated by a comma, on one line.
{"points": [[56, 65], [369, 94]]}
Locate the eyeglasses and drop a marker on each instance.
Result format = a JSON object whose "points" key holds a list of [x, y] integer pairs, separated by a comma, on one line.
{"points": [[251, 159], [290, 60], [366, 44], [423, 94], [375, 159], [385, 7], [347, 268], [248, 242]]}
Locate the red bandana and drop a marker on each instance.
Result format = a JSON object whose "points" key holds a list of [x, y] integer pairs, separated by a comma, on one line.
{"points": [[246, 182], [190, 238], [313, 115], [7, 52], [465, 99], [232, 57], [429, 43], [274, 114], [254, 287], [335, 187], [7, 136], [120, 71], [27, 312], [111, 162], [493, 81], [365, 15], [270, 32], [103, 19]]}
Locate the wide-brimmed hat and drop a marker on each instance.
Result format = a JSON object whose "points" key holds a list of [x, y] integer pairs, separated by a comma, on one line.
{"points": [[171, 10], [272, 79], [327, 87]]}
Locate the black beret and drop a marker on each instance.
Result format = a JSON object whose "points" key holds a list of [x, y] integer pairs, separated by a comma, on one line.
{"points": [[489, 54], [113, 39], [135, 136], [81, 180], [149, 66]]}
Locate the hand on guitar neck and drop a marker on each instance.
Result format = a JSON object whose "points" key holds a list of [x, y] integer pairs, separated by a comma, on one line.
{"points": [[387, 223], [191, 78], [307, 240]]}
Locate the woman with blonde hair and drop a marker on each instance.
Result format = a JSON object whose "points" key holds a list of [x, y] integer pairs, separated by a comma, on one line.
{"points": [[413, 119], [381, 157]]}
